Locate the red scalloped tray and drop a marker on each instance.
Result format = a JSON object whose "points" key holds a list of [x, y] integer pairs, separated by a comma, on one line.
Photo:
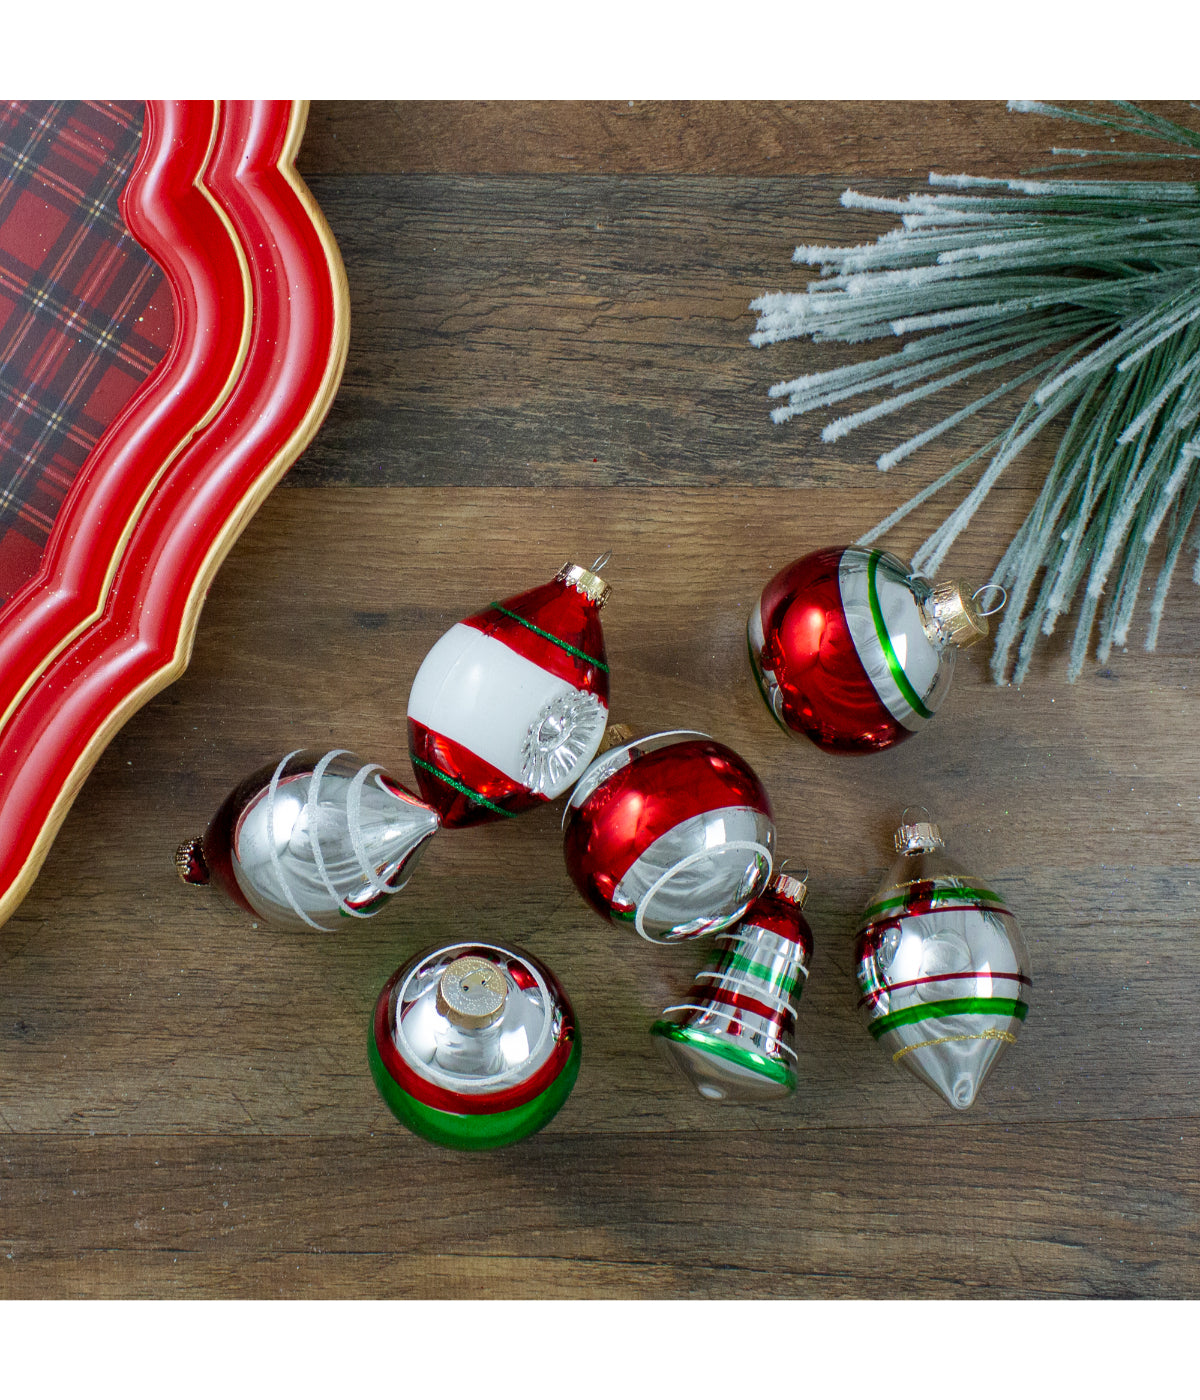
{"points": [[245, 289]]}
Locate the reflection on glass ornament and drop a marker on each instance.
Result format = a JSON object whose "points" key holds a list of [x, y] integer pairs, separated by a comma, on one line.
{"points": [[474, 1046], [671, 833], [942, 968], [734, 1036], [311, 838], [509, 706], [852, 650]]}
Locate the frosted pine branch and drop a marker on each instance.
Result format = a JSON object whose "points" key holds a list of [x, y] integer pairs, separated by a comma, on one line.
{"points": [[1096, 284]]}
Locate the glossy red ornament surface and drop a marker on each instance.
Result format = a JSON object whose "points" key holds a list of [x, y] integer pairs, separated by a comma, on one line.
{"points": [[644, 800], [826, 692], [565, 613], [261, 320]]}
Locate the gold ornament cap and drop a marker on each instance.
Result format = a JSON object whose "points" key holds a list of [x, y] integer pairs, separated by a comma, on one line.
{"points": [[190, 864], [615, 735], [472, 993], [914, 837], [952, 616], [591, 585], [790, 887]]}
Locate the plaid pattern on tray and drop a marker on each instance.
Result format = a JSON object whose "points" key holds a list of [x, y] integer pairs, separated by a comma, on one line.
{"points": [[85, 312]]}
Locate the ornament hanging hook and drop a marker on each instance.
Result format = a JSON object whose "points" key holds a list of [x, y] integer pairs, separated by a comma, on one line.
{"points": [[991, 588], [601, 561], [914, 807]]}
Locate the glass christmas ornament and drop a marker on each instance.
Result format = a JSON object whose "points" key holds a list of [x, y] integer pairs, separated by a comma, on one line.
{"points": [[942, 968], [672, 833], [852, 650], [474, 1046], [734, 1036], [311, 838], [509, 706]]}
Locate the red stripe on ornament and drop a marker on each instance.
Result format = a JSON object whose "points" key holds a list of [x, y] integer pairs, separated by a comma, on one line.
{"points": [[433, 1095], [873, 996], [468, 770], [774, 1014], [563, 612]]}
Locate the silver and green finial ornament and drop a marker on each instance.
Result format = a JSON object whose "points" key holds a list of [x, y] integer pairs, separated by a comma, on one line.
{"points": [[733, 1038], [474, 1045], [943, 972]]}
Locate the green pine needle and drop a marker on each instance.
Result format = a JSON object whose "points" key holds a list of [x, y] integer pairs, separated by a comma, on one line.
{"points": [[1086, 293]]}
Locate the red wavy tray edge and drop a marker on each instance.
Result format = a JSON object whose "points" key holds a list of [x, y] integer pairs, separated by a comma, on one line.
{"points": [[139, 638]]}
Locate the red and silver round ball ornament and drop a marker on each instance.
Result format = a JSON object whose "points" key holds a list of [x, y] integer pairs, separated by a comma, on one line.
{"points": [[473, 1045], [509, 706], [942, 968], [311, 838], [672, 833], [854, 651]]}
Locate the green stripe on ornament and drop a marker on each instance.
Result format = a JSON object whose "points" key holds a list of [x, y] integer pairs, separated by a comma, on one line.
{"points": [[940, 1010], [943, 895], [550, 637], [459, 787], [738, 963], [473, 1132], [716, 1045], [903, 684]]}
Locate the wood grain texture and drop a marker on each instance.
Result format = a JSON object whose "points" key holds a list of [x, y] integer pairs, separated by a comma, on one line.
{"points": [[185, 1108]]}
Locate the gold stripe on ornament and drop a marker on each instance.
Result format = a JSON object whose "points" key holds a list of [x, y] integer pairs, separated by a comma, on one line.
{"points": [[1006, 1036]]}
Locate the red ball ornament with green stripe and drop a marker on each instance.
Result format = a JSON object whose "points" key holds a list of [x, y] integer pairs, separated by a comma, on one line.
{"points": [[854, 651], [509, 706], [474, 1045], [734, 1035], [943, 971]]}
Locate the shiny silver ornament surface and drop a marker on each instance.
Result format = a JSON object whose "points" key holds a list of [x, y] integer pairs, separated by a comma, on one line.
{"points": [[942, 968], [313, 838], [733, 1037]]}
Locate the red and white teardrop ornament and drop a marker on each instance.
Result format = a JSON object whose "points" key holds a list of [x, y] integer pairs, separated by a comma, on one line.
{"points": [[853, 650], [509, 706]]}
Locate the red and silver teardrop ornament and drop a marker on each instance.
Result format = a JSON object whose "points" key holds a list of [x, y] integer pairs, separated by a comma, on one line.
{"points": [[311, 839], [509, 706], [672, 833], [854, 651], [943, 971], [734, 1035]]}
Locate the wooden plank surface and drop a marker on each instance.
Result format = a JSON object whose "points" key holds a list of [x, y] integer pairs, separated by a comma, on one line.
{"points": [[185, 1108]]}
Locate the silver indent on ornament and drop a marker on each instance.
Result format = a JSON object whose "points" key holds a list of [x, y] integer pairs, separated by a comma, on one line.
{"points": [[700, 876], [494, 1049], [942, 968], [563, 736], [336, 840]]}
